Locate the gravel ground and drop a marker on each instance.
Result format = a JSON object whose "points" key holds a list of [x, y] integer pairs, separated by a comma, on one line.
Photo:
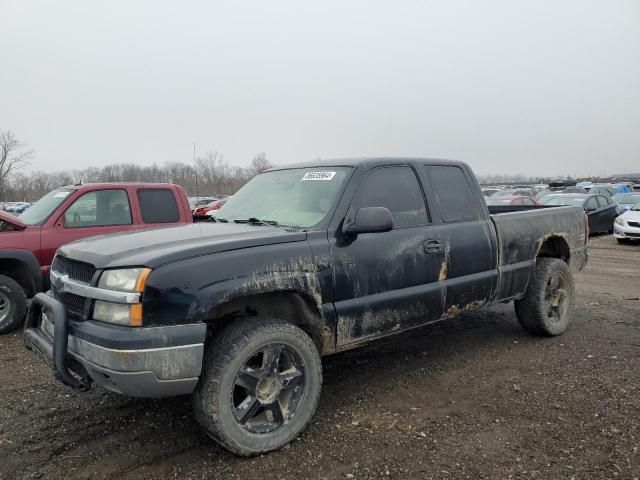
{"points": [[475, 397]]}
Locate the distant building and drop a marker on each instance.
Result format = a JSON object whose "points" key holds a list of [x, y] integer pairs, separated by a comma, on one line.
{"points": [[626, 175]]}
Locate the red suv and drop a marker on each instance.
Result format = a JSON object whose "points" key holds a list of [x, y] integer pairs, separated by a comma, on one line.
{"points": [[29, 242]]}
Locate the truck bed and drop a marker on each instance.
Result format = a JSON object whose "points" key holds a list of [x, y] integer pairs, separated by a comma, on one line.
{"points": [[520, 233]]}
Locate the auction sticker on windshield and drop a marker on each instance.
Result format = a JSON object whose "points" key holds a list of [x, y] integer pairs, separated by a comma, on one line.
{"points": [[318, 176]]}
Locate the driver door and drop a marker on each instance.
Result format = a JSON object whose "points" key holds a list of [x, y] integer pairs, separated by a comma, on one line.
{"points": [[386, 281], [94, 213]]}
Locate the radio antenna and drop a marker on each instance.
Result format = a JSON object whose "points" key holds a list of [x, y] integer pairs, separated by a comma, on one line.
{"points": [[195, 169]]}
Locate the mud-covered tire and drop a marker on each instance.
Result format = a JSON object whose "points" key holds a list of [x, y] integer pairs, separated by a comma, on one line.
{"points": [[546, 307], [13, 304], [219, 401], [624, 241]]}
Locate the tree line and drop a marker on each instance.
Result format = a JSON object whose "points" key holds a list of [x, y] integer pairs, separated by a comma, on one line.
{"points": [[209, 175]]}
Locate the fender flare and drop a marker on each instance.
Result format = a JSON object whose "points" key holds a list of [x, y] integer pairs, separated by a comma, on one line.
{"points": [[302, 283], [28, 259]]}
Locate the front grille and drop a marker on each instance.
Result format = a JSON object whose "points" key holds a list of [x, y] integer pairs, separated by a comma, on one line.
{"points": [[73, 303], [80, 271], [634, 224]]}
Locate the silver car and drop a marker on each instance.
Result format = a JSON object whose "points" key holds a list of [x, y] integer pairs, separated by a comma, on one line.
{"points": [[627, 226]]}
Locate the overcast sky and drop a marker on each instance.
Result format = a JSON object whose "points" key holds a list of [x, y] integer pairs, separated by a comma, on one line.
{"points": [[535, 87]]}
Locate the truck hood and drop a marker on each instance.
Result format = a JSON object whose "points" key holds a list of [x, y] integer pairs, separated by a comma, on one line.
{"points": [[154, 247], [12, 220]]}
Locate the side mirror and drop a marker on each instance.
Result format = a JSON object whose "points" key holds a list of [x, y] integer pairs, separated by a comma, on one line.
{"points": [[370, 220]]}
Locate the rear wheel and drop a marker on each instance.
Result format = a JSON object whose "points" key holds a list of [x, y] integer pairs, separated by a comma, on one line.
{"points": [[547, 305], [13, 304], [259, 387]]}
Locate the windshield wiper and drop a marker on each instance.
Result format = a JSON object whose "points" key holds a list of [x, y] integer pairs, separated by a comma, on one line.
{"points": [[258, 221], [216, 219]]}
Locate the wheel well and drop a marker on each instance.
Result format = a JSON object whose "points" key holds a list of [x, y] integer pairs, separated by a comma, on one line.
{"points": [[555, 247], [18, 271], [293, 307]]}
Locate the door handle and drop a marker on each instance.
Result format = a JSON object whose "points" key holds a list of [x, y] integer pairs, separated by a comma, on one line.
{"points": [[432, 246]]}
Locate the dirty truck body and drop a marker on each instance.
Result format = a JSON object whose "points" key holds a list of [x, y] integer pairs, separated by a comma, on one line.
{"points": [[398, 243]]}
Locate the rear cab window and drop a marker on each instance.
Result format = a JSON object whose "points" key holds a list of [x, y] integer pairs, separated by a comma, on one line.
{"points": [[454, 193], [158, 205]]}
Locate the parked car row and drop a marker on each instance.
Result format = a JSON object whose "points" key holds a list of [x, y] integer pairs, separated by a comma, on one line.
{"points": [[14, 208], [206, 211], [601, 210], [603, 204]]}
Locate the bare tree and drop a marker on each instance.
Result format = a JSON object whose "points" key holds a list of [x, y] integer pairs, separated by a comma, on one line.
{"points": [[211, 175], [260, 163], [13, 156]]}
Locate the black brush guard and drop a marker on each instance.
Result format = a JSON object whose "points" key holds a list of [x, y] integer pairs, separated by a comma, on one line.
{"points": [[55, 355]]}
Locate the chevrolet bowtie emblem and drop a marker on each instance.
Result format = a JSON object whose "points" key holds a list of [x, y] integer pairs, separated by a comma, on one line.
{"points": [[60, 281]]}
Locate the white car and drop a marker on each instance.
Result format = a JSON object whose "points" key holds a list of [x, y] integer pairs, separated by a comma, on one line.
{"points": [[626, 227]]}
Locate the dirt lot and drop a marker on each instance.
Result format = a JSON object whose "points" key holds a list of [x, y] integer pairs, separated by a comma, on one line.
{"points": [[474, 397]]}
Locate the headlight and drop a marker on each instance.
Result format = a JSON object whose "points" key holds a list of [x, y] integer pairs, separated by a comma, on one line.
{"points": [[619, 221], [130, 315], [124, 280]]}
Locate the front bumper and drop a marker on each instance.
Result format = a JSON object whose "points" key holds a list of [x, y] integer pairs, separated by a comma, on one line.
{"points": [[625, 231], [139, 362]]}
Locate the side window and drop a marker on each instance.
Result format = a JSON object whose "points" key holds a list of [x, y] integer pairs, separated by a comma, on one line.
{"points": [[519, 201], [454, 193], [397, 189], [100, 208], [592, 204], [158, 205], [528, 201]]}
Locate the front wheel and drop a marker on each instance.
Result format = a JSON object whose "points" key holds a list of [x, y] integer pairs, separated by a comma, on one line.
{"points": [[623, 240], [547, 304], [13, 304], [259, 387]]}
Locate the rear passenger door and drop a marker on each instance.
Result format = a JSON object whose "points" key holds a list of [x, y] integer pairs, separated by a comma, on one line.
{"points": [[469, 272], [594, 213], [386, 281], [607, 212]]}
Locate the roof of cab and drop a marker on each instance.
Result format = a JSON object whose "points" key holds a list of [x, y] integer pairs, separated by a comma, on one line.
{"points": [[366, 162], [103, 185]]}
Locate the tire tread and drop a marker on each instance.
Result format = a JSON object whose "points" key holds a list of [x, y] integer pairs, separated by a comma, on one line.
{"points": [[218, 354], [528, 309]]}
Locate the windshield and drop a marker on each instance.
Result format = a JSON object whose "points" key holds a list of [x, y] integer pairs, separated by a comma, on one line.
{"points": [[563, 200], [636, 207], [40, 211], [300, 197], [627, 198]]}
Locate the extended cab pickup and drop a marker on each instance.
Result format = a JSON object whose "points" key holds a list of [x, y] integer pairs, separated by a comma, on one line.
{"points": [[304, 261], [28, 242]]}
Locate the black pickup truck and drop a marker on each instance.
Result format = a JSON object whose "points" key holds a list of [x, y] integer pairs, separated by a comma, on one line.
{"points": [[304, 261]]}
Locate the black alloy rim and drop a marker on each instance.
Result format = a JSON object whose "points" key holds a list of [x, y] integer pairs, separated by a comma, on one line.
{"points": [[268, 389], [556, 297]]}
